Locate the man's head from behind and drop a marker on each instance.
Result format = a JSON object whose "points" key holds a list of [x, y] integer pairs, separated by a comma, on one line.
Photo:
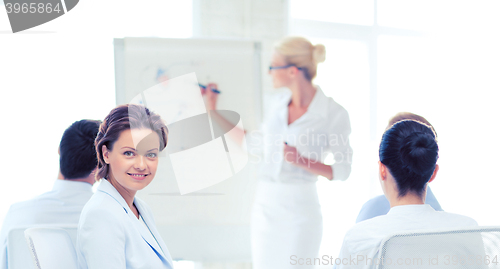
{"points": [[77, 156]]}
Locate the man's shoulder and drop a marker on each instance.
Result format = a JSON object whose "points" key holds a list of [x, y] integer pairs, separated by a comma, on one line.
{"points": [[42, 209], [49, 201], [18, 213], [22, 205], [30, 204]]}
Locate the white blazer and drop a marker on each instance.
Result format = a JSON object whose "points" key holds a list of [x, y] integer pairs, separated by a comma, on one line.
{"points": [[111, 236]]}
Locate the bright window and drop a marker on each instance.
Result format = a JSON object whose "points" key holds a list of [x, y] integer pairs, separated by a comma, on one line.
{"points": [[339, 11]]}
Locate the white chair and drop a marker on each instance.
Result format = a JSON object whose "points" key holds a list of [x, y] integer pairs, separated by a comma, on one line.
{"points": [[473, 248], [51, 248], [18, 252]]}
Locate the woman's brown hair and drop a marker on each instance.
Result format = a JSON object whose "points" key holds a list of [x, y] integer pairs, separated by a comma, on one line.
{"points": [[121, 118]]}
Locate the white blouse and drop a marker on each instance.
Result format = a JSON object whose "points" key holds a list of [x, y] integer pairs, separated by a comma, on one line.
{"points": [[322, 130]]}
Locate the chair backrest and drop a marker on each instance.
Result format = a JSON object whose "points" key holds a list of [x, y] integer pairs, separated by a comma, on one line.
{"points": [[18, 252], [472, 248], [19, 256], [51, 248]]}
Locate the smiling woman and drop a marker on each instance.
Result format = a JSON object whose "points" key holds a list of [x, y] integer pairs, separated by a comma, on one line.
{"points": [[131, 168], [116, 229]]}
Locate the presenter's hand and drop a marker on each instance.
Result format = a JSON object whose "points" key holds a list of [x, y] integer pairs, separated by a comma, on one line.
{"points": [[291, 155], [211, 97]]}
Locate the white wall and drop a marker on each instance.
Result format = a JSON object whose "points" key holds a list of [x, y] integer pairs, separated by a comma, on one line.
{"points": [[261, 20]]}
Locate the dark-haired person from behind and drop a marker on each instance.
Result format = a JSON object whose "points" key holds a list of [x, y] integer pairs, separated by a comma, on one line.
{"points": [[72, 189], [379, 205], [408, 154]]}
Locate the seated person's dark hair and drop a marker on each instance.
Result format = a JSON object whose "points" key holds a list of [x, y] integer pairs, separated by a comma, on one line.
{"points": [[410, 152], [77, 156]]}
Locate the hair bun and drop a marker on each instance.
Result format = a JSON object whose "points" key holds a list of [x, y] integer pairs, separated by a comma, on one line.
{"points": [[419, 152], [319, 53]]}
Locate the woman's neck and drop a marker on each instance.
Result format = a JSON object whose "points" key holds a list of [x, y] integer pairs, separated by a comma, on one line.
{"points": [[127, 195], [302, 93], [391, 191]]}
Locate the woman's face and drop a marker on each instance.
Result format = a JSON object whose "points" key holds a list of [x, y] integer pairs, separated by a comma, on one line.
{"points": [[281, 77], [133, 160]]}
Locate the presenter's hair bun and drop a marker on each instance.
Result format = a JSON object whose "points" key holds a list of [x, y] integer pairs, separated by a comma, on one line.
{"points": [[319, 53], [302, 53]]}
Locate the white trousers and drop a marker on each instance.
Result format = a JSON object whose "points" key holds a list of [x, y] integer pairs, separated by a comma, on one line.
{"points": [[286, 225]]}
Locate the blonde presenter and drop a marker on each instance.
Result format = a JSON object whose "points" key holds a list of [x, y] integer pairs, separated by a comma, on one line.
{"points": [[300, 130]]}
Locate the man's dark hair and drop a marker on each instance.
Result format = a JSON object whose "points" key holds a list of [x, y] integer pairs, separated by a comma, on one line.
{"points": [[77, 156]]}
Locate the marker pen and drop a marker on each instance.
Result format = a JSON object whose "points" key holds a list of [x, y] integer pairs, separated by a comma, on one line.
{"points": [[205, 87]]}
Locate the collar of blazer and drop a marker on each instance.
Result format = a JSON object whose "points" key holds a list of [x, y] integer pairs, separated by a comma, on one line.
{"points": [[148, 235]]}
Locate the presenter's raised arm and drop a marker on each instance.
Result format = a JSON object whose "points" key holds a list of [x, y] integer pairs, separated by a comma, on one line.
{"points": [[211, 103]]}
